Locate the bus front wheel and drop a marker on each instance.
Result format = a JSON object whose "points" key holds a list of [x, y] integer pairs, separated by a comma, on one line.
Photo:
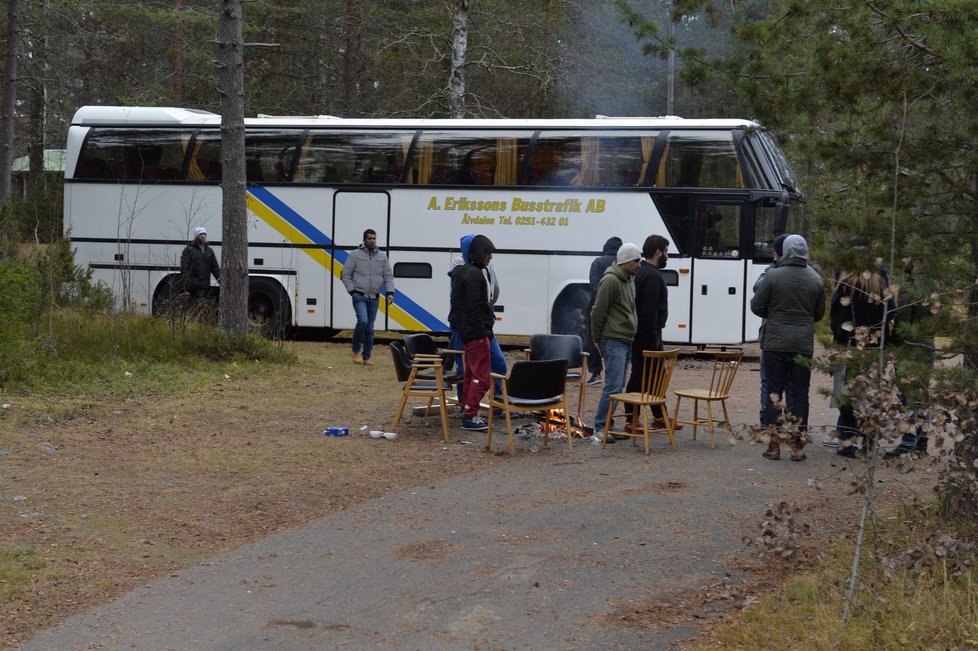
{"points": [[571, 312], [269, 311]]}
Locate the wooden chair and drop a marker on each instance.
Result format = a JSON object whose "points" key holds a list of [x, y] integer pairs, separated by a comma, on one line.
{"points": [[532, 385], [569, 347], [725, 365], [421, 377], [657, 368]]}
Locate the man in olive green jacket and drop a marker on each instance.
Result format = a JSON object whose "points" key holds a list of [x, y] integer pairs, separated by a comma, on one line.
{"points": [[613, 326]]}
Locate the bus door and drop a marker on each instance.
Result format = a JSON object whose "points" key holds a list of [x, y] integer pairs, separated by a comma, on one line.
{"points": [[353, 213], [719, 270]]}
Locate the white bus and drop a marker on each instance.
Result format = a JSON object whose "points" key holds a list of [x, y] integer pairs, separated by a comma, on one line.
{"points": [[548, 193]]}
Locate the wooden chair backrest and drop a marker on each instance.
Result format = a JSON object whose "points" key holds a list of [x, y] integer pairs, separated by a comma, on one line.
{"points": [[657, 368], [725, 365]]}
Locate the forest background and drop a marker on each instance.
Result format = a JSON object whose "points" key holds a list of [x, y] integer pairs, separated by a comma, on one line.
{"points": [[873, 102]]}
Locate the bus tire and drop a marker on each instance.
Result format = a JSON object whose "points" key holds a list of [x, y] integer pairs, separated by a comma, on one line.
{"points": [[165, 296], [269, 310], [571, 312]]}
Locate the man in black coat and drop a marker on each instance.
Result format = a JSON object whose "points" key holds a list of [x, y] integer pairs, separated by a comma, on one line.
{"points": [[652, 307], [473, 317], [598, 266], [197, 264]]}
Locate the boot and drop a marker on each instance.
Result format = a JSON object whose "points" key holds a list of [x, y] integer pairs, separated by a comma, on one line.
{"points": [[798, 451], [773, 451]]}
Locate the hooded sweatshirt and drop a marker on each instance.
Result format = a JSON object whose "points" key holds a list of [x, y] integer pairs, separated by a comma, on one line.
{"points": [[792, 299], [613, 315], [603, 261], [471, 311]]}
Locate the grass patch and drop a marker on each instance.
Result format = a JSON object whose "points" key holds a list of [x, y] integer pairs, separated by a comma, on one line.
{"points": [[130, 354], [912, 595]]}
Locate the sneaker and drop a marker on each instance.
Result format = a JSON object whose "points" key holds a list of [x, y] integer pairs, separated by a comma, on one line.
{"points": [[660, 423], [594, 379], [474, 424], [357, 358], [831, 443], [367, 361]]}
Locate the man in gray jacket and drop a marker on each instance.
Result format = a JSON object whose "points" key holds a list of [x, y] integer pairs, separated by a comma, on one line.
{"points": [[792, 300], [366, 275]]}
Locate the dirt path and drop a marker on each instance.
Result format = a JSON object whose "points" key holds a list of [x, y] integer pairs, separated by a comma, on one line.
{"points": [[556, 548]]}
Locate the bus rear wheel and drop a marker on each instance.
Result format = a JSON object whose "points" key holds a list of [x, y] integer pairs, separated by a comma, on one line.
{"points": [[570, 315], [269, 311]]}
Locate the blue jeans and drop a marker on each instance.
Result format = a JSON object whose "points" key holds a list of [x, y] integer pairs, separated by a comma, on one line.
{"points": [[363, 334], [615, 356], [783, 373]]}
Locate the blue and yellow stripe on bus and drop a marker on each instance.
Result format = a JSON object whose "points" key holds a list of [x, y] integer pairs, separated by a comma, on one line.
{"points": [[298, 230]]}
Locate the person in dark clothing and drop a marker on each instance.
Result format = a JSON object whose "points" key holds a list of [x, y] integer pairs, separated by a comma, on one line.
{"points": [[473, 317], [857, 317], [652, 308], [197, 264], [598, 267], [792, 300]]}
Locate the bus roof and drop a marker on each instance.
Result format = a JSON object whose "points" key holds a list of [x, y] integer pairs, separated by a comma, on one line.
{"points": [[147, 116]]}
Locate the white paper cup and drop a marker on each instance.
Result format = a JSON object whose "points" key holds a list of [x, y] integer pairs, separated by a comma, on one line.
{"points": [[376, 434], [390, 436]]}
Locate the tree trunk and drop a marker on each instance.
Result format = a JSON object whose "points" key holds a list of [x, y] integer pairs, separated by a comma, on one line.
{"points": [[233, 311], [456, 79], [9, 103], [351, 58], [37, 125]]}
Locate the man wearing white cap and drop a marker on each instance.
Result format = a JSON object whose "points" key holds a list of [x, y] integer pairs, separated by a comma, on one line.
{"points": [[197, 264], [613, 326]]}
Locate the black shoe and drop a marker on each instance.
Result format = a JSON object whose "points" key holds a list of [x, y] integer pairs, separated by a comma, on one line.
{"points": [[594, 379], [847, 451], [920, 445]]}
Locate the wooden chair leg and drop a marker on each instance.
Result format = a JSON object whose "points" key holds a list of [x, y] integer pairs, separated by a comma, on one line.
{"points": [[675, 414], [400, 410], [570, 430], [509, 431], [444, 414], [645, 428], [580, 400], [670, 427], [607, 423], [696, 416], [709, 422], [726, 418], [489, 430]]}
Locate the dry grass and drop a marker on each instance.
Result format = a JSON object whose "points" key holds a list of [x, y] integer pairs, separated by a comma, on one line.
{"points": [[104, 491], [895, 607]]}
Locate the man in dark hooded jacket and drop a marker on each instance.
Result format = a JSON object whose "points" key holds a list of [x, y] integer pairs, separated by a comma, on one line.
{"points": [[473, 318], [792, 300], [197, 264], [598, 267]]}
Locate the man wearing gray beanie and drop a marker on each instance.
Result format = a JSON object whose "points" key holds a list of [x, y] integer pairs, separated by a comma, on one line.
{"points": [[613, 326]]}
